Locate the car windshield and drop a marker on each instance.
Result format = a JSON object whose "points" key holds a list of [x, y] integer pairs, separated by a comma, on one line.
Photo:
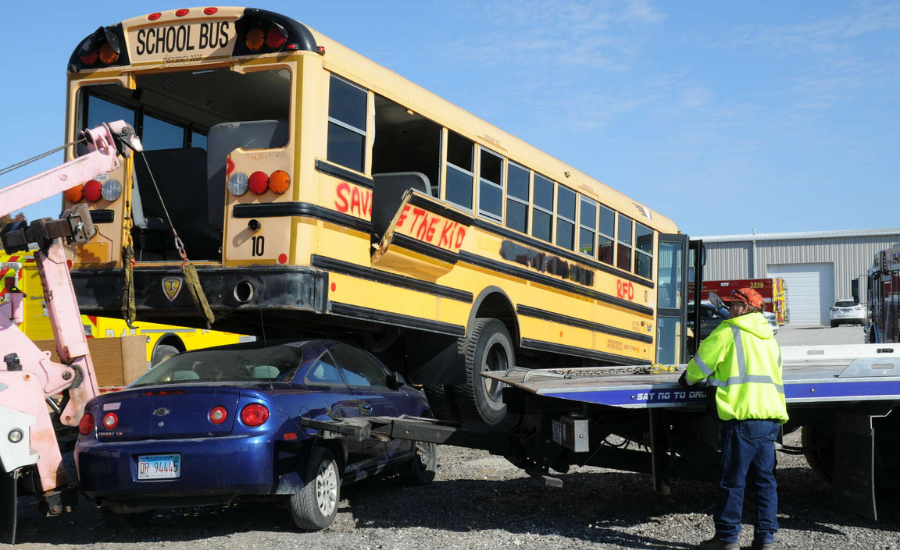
{"points": [[248, 365], [844, 303]]}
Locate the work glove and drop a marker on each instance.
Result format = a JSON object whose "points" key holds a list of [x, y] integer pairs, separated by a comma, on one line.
{"points": [[682, 380]]}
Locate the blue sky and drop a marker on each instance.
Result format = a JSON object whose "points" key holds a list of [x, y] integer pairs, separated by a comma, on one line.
{"points": [[724, 116]]}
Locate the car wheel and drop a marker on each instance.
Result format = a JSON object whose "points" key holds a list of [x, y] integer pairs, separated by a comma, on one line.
{"points": [[314, 507], [833, 324], [424, 464], [488, 347], [818, 449], [116, 520], [161, 353]]}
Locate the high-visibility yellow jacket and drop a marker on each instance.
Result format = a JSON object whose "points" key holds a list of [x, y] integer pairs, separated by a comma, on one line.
{"points": [[743, 361]]}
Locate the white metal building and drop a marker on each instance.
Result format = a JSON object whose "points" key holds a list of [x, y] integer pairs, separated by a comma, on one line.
{"points": [[818, 266]]}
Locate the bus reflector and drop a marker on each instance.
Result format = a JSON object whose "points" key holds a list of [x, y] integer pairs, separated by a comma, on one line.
{"points": [[210, 11], [255, 39], [74, 194], [181, 12], [92, 191], [238, 184], [279, 181], [108, 54], [154, 16], [259, 182], [276, 37]]}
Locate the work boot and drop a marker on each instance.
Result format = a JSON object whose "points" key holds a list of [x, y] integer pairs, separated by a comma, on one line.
{"points": [[716, 544], [762, 545]]}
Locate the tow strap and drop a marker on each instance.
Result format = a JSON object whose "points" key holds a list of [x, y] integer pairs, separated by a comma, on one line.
{"points": [[191, 279]]}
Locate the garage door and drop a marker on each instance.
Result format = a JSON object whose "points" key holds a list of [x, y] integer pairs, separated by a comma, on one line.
{"points": [[810, 291]]}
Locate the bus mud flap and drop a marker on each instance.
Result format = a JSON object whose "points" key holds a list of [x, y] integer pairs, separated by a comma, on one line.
{"points": [[854, 460], [8, 509], [423, 238]]}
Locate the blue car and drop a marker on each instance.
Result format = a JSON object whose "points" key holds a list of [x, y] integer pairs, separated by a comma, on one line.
{"points": [[211, 426]]}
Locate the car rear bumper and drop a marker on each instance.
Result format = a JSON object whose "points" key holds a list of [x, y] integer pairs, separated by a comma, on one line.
{"points": [[213, 470], [855, 317]]}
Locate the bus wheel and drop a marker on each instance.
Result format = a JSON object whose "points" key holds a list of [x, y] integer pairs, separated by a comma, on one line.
{"points": [[161, 353], [818, 448], [487, 348]]}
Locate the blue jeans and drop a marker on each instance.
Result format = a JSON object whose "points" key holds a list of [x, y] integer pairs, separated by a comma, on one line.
{"points": [[748, 451]]}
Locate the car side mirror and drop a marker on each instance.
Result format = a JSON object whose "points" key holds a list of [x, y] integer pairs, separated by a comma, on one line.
{"points": [[396, 381]]}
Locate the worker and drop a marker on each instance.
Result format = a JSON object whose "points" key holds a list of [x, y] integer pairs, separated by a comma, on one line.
{"points": [[742, 360]]}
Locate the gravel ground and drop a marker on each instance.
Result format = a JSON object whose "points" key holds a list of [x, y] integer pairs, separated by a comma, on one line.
{"points": [[481, 501]]}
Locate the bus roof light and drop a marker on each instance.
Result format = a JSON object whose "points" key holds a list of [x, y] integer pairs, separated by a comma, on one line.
{"points": [[292, 47], [181, 13], [276, 37], [321, 50], [255, 39], [154, 16], [210, 11], [107, 54], [88, 53]]}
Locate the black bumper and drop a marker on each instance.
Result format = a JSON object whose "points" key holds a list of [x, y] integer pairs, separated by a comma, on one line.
{"points": [[99, 292]]}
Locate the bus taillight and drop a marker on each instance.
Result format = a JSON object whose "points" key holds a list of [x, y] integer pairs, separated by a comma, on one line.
{"points": [[279, 181], [74, 194], [92, 191], [259, 183], [238, 183]]}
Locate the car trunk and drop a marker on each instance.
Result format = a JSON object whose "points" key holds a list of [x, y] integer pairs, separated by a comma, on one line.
{"points": [[167, 413]]}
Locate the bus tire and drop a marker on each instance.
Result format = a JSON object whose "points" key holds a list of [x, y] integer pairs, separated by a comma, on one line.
{"points": [[161, 353], [488, 347]]}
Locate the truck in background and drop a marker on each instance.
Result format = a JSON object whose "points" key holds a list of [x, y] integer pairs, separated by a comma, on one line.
{"points": [[773, 291], [161, 341], [882, 299]]}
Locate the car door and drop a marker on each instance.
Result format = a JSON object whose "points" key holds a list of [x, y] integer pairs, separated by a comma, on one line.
{"points": [[367, 378]]}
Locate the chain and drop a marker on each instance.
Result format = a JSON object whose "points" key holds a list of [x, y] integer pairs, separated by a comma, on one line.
{"points": [[614, 371], [178, 244]]}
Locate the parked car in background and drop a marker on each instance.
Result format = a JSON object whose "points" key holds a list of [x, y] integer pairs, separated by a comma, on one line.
{"points": [[847, 311], [772, 319], [211, 426]]}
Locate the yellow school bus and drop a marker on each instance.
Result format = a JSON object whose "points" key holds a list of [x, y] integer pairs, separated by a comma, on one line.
{"points": [[319, 193], [19, 272]]}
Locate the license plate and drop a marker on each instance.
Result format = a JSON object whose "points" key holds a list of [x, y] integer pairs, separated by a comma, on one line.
{"points": [[159, 466]]}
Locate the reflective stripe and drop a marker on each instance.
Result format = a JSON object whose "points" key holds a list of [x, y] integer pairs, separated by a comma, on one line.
{"points": [[751, 378], [702, 366], [739, 351]]}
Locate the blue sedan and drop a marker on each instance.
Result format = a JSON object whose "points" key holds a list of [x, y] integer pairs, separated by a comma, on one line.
{"points": [[211, 426]]}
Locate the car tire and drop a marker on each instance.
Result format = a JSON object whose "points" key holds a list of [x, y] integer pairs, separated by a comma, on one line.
{"points": [[833, 324], [315, 506], [161, 353], [115, 520], [488, 347], [818, 449], [423, 465]]}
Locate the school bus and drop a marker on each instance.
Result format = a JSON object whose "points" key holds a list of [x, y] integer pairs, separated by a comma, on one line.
{"points": [[19, 272], [319, 193]]}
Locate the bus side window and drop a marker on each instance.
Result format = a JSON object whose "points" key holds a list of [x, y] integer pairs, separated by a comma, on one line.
{"points": [[406, 142], [565, 217], [460, 175], [623, 250], [490, 185], [517, 197], [643, 260], [607, 235], [588, 226], [542, 222], [347, 124]]}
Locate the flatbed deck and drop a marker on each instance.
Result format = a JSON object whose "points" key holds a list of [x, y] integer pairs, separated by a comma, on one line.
{"points": [[812, 375]]}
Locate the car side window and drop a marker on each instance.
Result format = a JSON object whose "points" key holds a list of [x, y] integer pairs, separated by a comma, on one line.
{"points": [[324, 371], [359, 367]]}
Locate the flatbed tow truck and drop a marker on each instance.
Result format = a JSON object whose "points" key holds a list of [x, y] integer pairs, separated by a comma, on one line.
{"points": [[840, 396]]}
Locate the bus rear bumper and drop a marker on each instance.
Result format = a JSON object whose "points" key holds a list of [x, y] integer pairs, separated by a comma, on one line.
{"points": [[161, 291]]}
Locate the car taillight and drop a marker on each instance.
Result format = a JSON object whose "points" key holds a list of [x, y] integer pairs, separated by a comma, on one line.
{"points": [[86, 425], [279, 181], [254, 415], [74, 194], [276, 37], [259, 183], [110, 421], [255, 39], [218, 415], [92, 191], [858, 308]]}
